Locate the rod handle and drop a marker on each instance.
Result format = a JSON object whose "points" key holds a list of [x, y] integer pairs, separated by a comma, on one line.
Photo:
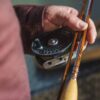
{"points": [[70, 91]]}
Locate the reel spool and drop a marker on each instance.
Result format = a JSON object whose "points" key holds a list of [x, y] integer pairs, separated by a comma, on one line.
{"points": [[51, 49]]}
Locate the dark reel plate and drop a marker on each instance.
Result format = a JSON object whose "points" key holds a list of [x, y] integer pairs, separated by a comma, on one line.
{"points": [[52, 43], [51, 48]]}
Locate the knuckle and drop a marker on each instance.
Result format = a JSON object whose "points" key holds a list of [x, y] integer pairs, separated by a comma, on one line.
{"points": [[72, 11]]}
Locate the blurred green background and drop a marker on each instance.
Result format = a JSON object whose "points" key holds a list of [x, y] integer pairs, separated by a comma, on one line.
{"points": [[73, 3], [45, 1]]}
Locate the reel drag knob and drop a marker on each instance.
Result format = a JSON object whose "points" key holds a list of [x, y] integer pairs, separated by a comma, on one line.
{"points": [[53, 42]]}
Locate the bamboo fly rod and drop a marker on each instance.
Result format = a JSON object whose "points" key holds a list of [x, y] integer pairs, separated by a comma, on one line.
{"points": [[69, 91]]}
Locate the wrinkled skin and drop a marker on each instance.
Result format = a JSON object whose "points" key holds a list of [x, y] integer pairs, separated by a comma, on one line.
{"points": [[61, 16]]}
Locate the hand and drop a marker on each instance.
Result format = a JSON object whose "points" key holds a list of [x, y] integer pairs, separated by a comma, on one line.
{"points": [[60, 16]]}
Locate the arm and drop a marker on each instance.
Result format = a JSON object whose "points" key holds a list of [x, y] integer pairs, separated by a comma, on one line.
{"points": [[30, 18], [14, 83]]}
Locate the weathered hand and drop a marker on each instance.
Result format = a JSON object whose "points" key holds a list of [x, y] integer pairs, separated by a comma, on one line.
{"points": [[60, 16]]}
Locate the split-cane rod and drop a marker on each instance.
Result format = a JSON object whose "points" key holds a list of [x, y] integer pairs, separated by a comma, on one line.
{"points": [[69, 91]]}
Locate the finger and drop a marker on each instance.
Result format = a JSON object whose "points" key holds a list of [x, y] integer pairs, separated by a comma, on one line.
{"points": [[75, 23], [92, 33], [69, 10], [60, 10], [55, 16]]}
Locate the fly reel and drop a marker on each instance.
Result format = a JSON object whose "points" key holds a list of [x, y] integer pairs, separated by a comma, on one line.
{"points": [[51, 49]]}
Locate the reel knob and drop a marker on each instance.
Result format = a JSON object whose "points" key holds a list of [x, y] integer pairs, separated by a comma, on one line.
{"points": [[53, 42]]}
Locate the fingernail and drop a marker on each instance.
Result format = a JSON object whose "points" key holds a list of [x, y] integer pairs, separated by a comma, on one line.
{"points": [[94, 39], [83, 25]]}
